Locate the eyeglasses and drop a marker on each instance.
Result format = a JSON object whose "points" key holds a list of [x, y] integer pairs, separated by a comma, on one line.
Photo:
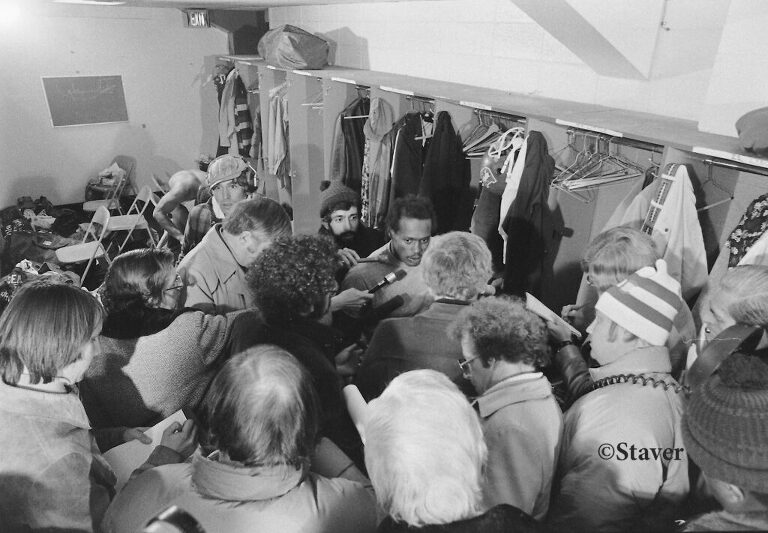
{"points": [[179, 285], [466, 369]]}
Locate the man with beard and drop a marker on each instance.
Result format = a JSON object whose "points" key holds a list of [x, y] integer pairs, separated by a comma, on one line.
{"points": [[340, 214]]}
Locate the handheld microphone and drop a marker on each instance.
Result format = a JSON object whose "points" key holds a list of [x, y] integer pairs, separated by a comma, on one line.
{"points": [[388, 279]]}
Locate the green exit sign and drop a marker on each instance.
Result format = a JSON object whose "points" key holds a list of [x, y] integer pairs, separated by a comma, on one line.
{"points": [[198, 18]]}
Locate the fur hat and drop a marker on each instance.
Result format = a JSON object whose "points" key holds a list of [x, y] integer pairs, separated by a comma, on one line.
{"points": [[334, 194], [226, 168], [645, 304], [725, 426]]}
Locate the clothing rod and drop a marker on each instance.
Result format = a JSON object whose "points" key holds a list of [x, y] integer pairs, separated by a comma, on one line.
{"points": [[736, 166], [356, 116], [622, 141], [420, 98], [501, 115], [642, 145]]}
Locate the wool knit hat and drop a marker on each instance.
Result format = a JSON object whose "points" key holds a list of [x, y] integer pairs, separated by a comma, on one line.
{"points": [[725, 426], [645, 304], [225, 168], [335, 194]]}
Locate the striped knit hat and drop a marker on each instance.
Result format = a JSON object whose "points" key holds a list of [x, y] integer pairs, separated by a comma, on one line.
{"points": [[645, 304], [725, 426]]}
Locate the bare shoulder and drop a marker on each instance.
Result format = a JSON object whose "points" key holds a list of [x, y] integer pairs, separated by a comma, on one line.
{"points": [[186, 182]]}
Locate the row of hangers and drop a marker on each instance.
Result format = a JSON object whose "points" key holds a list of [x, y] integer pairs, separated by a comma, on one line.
{"points": [[595, 164], [494, 134]]}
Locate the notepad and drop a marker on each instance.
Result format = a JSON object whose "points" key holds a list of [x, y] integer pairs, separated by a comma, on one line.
{"points": [[534, 305], [129, 456]]}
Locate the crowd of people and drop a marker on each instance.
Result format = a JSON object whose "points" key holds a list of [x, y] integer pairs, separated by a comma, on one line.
{"points": [[477, 415]]}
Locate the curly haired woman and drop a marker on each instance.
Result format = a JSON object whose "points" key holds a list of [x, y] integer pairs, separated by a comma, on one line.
{"points": [[293, 282]]}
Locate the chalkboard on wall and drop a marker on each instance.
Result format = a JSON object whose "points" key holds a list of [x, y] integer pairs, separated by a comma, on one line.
{"points": [[75, 100]]}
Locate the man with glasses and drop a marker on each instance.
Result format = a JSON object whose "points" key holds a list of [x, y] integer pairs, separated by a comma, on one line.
{"points": [[409, 222], [340, 216], [230, 179], [504, 346]]}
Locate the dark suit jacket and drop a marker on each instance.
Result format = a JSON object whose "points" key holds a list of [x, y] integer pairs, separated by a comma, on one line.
{"points": [[410, 343]]}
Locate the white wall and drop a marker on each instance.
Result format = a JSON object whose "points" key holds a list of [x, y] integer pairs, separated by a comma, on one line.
{"points": [[165, 68], [492, 43], [740, 74]]}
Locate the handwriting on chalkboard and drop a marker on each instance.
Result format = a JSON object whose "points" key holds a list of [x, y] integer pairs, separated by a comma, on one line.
{"points": [[79, 100]]}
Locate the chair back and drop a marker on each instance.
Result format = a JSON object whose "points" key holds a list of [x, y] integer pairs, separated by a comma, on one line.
{"points": [[100, 217], [128, 164], [145, 196]]}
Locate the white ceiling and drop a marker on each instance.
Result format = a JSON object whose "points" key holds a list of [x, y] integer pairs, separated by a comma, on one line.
{"points": [[231, 4]]}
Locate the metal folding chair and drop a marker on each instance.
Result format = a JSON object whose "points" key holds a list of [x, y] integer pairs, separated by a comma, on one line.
{"points": [[88, 251], [134, 218], [113, 193]]}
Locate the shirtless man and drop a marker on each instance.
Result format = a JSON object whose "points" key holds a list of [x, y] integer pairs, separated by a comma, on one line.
{"points": [[171, 213]]}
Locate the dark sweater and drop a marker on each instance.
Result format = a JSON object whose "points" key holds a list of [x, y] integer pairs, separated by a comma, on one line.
{"points": [[500, 519]]}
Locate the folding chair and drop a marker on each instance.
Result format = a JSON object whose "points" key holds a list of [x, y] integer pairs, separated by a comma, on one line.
{"points": [[134, 218], [113, 193], [112, 201], [88, 251]]}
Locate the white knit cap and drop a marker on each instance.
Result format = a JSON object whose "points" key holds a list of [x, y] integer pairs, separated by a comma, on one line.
{"points": [[645, 304]]}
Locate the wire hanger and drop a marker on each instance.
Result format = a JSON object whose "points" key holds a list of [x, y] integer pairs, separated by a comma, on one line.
{"points": [[716, 185], [316, 102]]}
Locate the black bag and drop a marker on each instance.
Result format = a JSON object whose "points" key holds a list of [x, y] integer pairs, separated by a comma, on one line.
{"points": [[66, 222], [293, 48]]}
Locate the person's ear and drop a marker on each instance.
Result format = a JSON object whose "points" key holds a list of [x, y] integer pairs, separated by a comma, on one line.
{"points": [[626, 336], [244, 238]]}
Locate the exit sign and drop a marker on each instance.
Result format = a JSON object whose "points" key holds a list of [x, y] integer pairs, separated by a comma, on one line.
{"points": [[198, 18]]}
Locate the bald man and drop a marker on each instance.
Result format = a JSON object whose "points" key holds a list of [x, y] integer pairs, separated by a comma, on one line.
{"points": [[171, 213]]}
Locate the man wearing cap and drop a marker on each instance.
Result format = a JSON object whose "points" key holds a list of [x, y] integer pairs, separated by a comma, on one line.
{"points": [[214, 271], [622, 460], [725, 429], [340, 215], [230, 179]]}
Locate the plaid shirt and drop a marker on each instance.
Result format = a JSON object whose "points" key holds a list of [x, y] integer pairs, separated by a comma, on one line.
{"points": [[200, 220]]}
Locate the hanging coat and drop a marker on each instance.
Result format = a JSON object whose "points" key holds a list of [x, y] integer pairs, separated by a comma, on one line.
{"points": [[677, 232], [408, 157], [446, 178], [529, 223], [377, 159], [243, 125], [348, 145]]}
